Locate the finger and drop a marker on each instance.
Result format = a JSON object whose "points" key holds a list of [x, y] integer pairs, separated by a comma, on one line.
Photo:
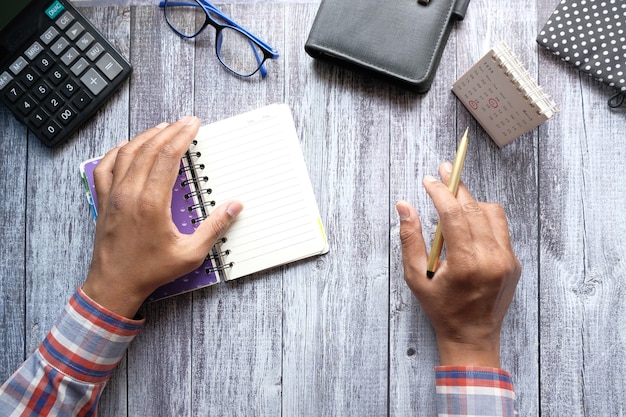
{"points": [[453, 223], [214, 227], [103, 175], [499, 225], [167, 161], [479, 227], [445, 169], [414, 256], [462, 194], [146, 150], [125, 159]]}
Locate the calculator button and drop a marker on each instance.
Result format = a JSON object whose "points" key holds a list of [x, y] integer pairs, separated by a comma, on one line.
{"points": [[39, 117], [49, 35], [53, 103], [5, 79], [69, 88], [75, 30], [81, 100], [44, 62], [80, 66], [95, 51], [57, 75], [18, 65], [14, 92], [42, 90], [67, 115], [55, 8], [51, 129], [84, 41], [64, 21], [26, 104], [59, 46], [94, 81], [109, 66], [29, 77], [34, 50], [69, 56]]}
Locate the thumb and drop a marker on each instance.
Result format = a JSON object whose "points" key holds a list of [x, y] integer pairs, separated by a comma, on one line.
{"points": [[215, 225], [414, 255]]}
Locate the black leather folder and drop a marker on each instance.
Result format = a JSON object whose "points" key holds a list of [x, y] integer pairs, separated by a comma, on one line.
{"points": [[401, 40]]}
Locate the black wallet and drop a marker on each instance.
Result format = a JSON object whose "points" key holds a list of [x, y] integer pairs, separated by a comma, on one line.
{"points": [[401, 40]]}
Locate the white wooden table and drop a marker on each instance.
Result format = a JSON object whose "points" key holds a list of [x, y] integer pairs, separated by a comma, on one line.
{"points": [[340, 335]]}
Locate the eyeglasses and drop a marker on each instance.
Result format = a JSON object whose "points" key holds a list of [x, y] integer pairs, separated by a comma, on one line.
{"points": [[238, 50]]}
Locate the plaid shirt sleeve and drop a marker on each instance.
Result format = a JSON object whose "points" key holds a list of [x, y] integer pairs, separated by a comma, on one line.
{"points": [[474, 391], [66, 375]]}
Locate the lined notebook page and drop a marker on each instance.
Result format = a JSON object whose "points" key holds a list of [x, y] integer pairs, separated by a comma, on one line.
{"points": [[256, 158]]}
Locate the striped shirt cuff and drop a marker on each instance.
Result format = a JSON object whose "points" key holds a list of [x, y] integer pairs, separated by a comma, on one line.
{"points": [[88, 341], [474, 391]]}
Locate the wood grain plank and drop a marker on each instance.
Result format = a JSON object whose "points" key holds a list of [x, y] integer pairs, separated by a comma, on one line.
{"points": [[336, 315], [161, 90], [509, 176], [582, 242], [237, 326], [13, 154], [424, 133], [506, 176]]}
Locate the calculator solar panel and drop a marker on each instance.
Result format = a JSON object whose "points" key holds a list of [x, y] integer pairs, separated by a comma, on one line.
{"points": [[56, 69]]}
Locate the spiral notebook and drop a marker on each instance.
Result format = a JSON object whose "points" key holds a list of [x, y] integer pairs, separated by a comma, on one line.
{"points": [[501, 94], [256, 158]]}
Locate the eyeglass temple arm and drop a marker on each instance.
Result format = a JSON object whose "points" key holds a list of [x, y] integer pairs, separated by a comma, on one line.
{"points": [[212, 8]]}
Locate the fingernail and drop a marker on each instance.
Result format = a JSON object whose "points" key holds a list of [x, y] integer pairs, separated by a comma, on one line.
{"points": [[447, 166], [188, 120], [403, 211], [429, 178], [234, 208], [122, 143], [162, 125]]}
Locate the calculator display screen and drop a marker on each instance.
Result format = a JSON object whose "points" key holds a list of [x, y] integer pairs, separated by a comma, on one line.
{"points": [[10, 9]]}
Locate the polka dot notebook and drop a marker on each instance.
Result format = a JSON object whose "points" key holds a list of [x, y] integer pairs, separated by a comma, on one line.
{"points": [[589, 34], [501, 94]]}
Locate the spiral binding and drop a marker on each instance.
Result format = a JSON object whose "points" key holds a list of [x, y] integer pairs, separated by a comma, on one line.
{"points": [[195, 180], [201, 204], [217, 255], [198, 193], [518, 74], [219, 268], [188, 168], [198, 190]]}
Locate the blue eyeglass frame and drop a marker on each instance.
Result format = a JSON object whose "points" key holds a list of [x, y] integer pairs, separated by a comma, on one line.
{"points": [[268, 51]]}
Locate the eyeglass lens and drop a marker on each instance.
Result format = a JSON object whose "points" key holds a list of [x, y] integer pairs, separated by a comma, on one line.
{"points": [[186, 19], [235, 50]]}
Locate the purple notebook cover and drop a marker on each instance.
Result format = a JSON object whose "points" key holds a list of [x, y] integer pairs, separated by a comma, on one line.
{"points": [[201, 277]]}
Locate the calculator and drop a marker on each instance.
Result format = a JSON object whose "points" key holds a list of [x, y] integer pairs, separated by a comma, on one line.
{"points": [[56, 69]]}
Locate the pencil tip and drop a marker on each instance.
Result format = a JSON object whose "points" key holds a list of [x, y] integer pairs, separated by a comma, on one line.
{"points": [[430, 274]]}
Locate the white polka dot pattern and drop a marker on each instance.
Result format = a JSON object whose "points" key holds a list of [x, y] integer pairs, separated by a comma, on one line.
{"points": [[590, 34]]}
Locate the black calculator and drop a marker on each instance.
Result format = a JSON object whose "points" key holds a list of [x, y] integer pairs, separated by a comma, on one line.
{"points": [[56, 69]]}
